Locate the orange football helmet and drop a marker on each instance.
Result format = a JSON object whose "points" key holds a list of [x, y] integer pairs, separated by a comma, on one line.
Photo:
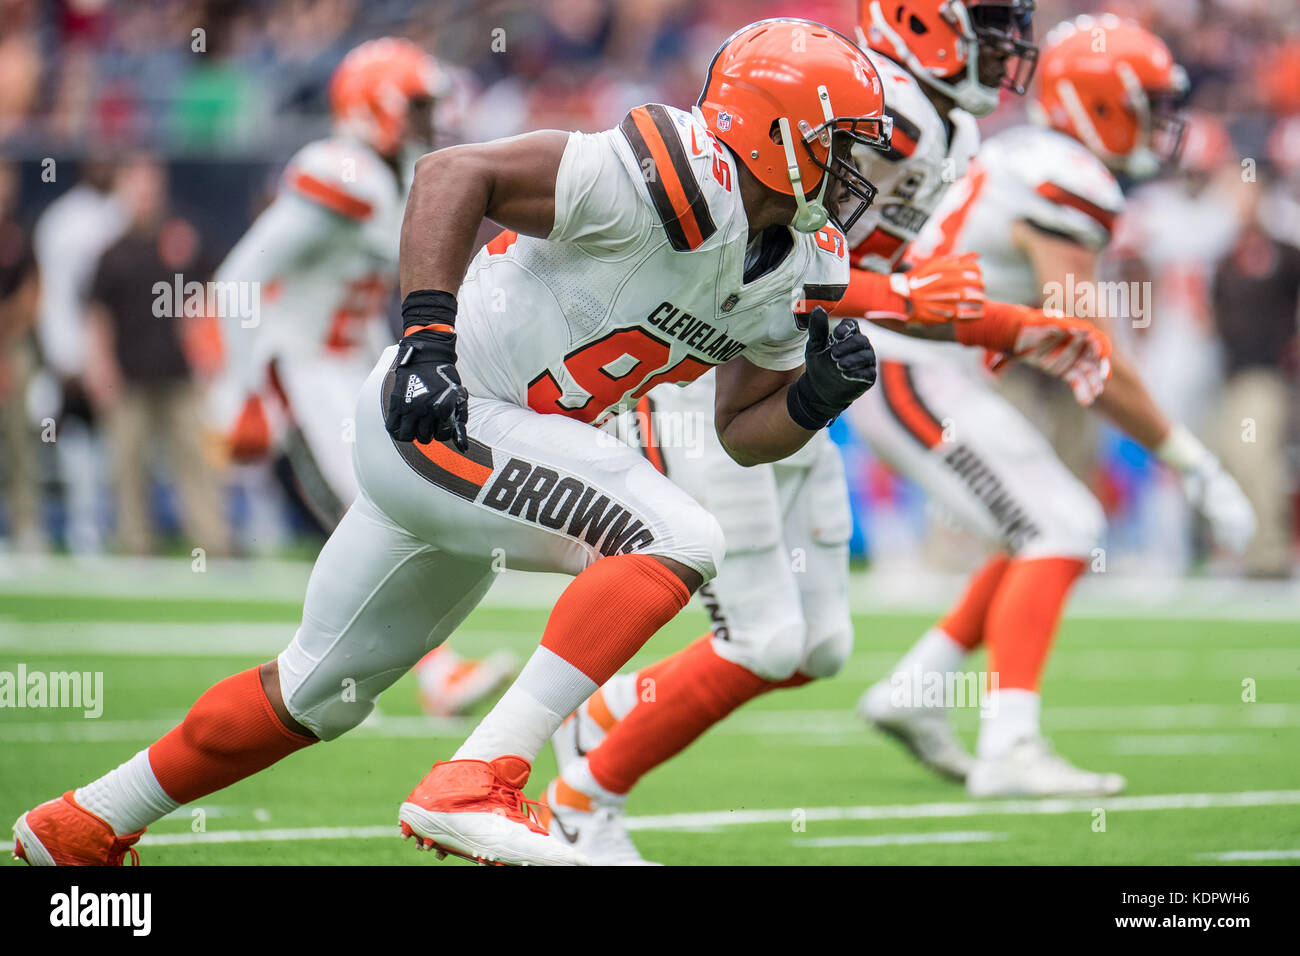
{"points": [[778, 85], [1114, 86], [969, 50], [377, 86]]}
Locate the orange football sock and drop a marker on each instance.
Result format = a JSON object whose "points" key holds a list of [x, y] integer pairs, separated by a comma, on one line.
{"points": [[965, 622], [230, 733], [1023, 617], [692, 690], [609, 610]]}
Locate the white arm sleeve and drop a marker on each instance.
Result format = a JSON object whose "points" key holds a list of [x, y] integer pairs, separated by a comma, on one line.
{"points": [[288, 235]]}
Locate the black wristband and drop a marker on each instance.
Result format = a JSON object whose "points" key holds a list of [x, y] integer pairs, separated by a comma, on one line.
{"points": [[428, 307], [806, 409]]}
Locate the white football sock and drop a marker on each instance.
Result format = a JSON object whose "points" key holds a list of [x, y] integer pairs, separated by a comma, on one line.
{"points": [[1008, 716], [935, 653], [578, 775], [128, 798], [546, 691]]}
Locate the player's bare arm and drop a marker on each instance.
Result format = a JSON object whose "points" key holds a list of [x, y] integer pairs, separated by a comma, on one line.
{"points": [[749, 412], [510, 181], [764, 415], [1128, 404], [1126, 400]]}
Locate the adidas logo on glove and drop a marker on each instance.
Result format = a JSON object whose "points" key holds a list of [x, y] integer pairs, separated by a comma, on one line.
{"points": [[415, 387]]}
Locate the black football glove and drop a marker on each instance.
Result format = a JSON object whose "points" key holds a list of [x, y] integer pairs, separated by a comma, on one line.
{"points": [[839, 367], [427, 401]]}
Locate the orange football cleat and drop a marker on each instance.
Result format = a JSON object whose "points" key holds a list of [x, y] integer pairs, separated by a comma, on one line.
{"points": [[61, 832], [450, 685], [250, 438], [477, 810]]}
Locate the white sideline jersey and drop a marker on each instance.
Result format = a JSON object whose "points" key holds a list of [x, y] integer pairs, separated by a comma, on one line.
{"points": [[1031, 174], [641, 280], [324, 254]]}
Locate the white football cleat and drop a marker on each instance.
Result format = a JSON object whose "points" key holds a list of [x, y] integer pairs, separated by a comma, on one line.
{"points": [[451, 685], [926, 732], [581, 732], [594, 827], [1032, 769]]}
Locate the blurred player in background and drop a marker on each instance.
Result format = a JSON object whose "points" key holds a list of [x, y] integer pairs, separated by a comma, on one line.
{"points": [[70, 236], [1037, 205], [323, 256], [1172, 234], [779, 606]]}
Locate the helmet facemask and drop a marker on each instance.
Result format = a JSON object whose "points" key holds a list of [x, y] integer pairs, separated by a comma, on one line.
{"points": [[989, 32], [1005, 29], [1162, 126], [837, 135]]}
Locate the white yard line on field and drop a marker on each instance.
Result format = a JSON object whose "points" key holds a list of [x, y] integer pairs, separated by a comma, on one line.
{"points": [[1178, 745], [813, 726], [900, 839], [173, 638], [723, 818], [970, 808], [1172, 717], [1117, 594], [232, 638], [1229, 856]]}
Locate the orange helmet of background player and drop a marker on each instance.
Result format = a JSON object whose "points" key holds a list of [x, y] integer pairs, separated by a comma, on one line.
{"points": [[372, 91], [1114, 86], [969, 50], [790, 97]]}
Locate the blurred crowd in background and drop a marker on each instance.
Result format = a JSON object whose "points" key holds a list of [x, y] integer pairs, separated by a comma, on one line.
{"points": [[140, 138]]}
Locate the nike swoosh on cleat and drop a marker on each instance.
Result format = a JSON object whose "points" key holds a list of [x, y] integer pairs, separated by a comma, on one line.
{"points": [[570, 835]]}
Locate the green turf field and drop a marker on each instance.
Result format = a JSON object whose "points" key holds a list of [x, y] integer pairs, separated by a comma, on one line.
{"points": [[791, 779]]}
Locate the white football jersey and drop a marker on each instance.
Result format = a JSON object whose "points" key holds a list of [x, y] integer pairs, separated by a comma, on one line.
{"points": [[641, 281], [1028, 173], [927, 155], [324, 257]]}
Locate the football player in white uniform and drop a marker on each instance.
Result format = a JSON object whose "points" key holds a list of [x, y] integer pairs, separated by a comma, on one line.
{"points": [[1037, 205], [779, 606], [625, 267], [321, 263]]}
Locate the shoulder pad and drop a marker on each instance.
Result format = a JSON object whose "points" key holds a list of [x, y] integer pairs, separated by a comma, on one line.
{"points": [[1062, 187], [689, 177], [965, 139], [342, 176], [913, 114], [826, 277]]}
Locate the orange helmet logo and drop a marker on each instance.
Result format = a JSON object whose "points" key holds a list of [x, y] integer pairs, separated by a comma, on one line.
{"points": [[789, 98], [1114, 86], [372, 90], [969, 50]]}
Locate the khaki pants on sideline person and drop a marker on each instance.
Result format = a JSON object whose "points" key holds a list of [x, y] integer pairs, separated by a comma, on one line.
{"points": [[169, 412], [19, 449], [1256, 400]]}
